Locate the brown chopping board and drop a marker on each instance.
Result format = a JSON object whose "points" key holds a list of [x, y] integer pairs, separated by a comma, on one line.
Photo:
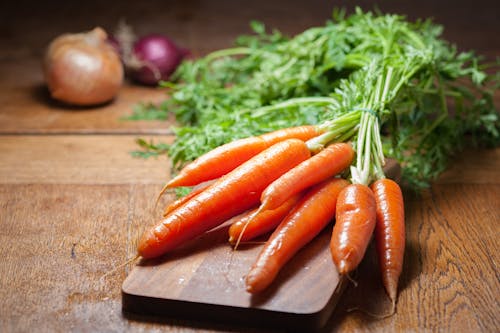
{"points": [[204, 282]]}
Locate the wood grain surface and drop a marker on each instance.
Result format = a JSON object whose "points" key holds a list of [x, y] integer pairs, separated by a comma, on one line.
{"points": [[77, 159], [73, 201]]}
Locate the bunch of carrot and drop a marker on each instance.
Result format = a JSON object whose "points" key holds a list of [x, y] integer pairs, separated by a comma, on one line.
{"points": [[294, 181], [281, 181]]}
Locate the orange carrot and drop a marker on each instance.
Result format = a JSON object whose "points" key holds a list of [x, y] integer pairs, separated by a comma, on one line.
{"points": [[182, 200], [311, 214], [255, 223], [225, 158], [230, 195], [389, 233], [325, 164], [354, 225], [218, 161], [303, 133]]}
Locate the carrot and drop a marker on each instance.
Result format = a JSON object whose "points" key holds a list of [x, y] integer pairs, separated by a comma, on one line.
{"points": [[389, 232], [255, 223], [303, 133], [225, 158], [325, 164], [218, 161], [182, 200], [230, 195], [354, 225], [311, 214]]}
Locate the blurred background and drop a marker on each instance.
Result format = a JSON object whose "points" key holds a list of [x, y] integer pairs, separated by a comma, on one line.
{"points": [[26, 27]]}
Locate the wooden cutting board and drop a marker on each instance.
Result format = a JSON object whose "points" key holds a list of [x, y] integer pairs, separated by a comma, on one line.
{"points": [[204, 282]]}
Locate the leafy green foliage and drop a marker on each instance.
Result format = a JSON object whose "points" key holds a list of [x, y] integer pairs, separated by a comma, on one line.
{"points": [[429, 99], [150, 149], [148, 111]]}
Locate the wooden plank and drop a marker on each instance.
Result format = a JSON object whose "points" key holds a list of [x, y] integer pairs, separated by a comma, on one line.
{"points": [[473, 166], [57, 242], [79, 159], [63, 250]]}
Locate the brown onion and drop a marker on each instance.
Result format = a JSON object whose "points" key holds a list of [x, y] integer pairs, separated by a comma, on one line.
{"points": [[83, 68]]}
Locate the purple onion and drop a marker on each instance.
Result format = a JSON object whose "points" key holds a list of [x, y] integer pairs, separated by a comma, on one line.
{"points": [[157, 58]]}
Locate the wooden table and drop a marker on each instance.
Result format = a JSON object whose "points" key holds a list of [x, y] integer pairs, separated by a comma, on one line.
{"points": [[73, 201]]}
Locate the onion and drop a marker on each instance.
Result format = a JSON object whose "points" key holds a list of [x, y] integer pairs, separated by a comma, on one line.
{"points": [[83, 68], [148, 59], [155, 58]]}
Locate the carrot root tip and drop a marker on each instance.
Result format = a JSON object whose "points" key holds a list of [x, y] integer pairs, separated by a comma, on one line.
{"points": [[115, 269], [240, 237], [371, 314], [163, 190], [354, 282], [390, 282]]}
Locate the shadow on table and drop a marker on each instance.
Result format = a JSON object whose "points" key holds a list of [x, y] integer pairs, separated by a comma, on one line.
{"points": [[41, 95]]}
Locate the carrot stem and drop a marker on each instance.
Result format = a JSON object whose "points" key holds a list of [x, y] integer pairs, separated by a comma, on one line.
{"points": [[292, 102]]}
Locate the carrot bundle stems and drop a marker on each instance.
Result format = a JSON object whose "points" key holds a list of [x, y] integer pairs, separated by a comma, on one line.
{"points": [[232, 194], [311, 214], [292, 102], [339, 129]]}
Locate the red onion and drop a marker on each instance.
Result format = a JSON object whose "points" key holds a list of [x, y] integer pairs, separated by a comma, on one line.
{"points": [[157, 57], [149, 59]]}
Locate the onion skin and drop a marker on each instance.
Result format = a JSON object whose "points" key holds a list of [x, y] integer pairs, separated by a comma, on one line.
{"points": [[83, 69]]}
